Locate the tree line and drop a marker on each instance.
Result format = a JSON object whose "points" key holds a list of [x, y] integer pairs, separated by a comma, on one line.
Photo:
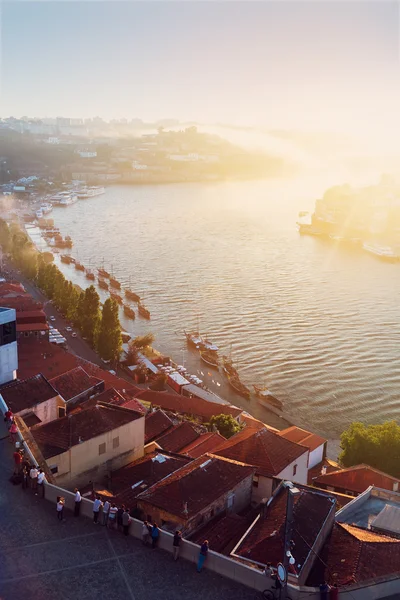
{"points": [[98, 324]]}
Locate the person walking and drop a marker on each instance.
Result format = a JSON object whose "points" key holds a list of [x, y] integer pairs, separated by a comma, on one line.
{"points": [[60, 508], [33, 474], [97, 504], [13, 432], [176, 544], [8, 418], [40, 480], [126, 521], [155, 535], [106, 512], [25, 477], [119, 517], [202, 555], [146, 533], [112, 516], [78, 501], [17, 462]]}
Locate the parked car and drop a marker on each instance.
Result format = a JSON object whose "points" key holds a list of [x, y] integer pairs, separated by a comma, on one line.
{"points": [[52, 318]]}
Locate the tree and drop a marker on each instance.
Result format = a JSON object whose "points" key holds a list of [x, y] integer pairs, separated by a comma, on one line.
{"points": [[226, 425], [143, 341], [91, 316], [5, 237], [110, 340], [375, 445], [132, 356]]}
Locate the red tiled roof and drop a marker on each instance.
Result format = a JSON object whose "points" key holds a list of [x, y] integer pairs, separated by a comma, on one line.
{"points": [[156, 424], [357, 479], [58, 436], [354, 555], [330, 465], [222, 533], [303, 437], [180, 436], [32, 326], [206, 442], [265, 541], [73, 383], [186, 405], [27, 393], [148, 470], [264, 448], [121, 398], [196, 485]]}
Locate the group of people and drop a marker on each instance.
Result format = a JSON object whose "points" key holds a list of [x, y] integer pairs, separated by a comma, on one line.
{"points": [[28, 474]]}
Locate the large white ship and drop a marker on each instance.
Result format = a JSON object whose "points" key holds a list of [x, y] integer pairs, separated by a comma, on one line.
{"points": [[64, 199], [90, 192], [44, 210]]}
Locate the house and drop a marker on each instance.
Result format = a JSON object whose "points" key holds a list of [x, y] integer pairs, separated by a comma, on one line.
{"points": [[178, 437], [34, 399], [8, 345], [90, 441], [308, 524], [193, 495], [206, 442], [156, 424], [315, 443], [30, 317], [77, 386], [274, 457], [355, 480]]}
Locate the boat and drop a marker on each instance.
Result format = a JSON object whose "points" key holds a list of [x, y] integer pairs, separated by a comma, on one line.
{"points": [[64, 199], [210, 358], [90, 275], [90, 192], [143, 311], [383, 252], [116, 297], [115, 283], [193, 339], [65, 258], [102, 284], [132, 296], [68, 241], [238, 386], [266, 399], [307, 229], [103, 273], [129, 312], [79, 266], [227, 367]]}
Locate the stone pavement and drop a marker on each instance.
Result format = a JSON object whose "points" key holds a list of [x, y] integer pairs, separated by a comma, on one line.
{"points": [[43, 559]]}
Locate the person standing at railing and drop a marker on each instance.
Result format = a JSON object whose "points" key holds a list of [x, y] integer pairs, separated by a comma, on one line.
{"points": [[202, 555], [60, 508], [41, 479], [176, 543], [33, 475], [106, 512], [78, 500], [97, 504], [13, 432]]}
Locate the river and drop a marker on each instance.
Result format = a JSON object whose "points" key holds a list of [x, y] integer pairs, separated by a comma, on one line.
{"points": [[318, 322]]}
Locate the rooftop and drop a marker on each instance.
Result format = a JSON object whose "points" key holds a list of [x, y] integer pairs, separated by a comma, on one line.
{"points": [[180, 436], [265, 541], [303, 437], [156, 424], [357, 479], [206, 442], [185, 405], [58, 436], [73, 383], [263, 448], [196, 485], [362, 511], [222, 532], [20, 395]]}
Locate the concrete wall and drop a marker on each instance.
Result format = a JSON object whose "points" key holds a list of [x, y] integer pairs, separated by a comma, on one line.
{"points": [[46, 411], [316, 456], [264, 489], [84, 460], [301, 471]]}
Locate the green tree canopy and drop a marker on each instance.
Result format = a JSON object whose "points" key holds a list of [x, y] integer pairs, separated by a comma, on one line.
{"points": [[5, 236], [143, 341], [374, 445], [110, 340], [91, 316], [226, 425]]}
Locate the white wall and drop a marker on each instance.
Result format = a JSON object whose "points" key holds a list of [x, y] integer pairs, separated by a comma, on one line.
{"points": [[301, 471], [264, 489], [45, 411], [316, 456]]}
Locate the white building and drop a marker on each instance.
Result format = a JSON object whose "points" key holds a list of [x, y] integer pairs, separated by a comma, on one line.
{"points": [[8, 345]]}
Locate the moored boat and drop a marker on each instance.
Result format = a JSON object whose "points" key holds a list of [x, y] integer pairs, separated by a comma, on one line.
{"points": [[129, 312], [382, 252], [210, 358], [65, 258], [266, 399], [102, 284], [238, 386], [103, 273], [79, 266], [116, 297], [193, 339], [143, 311], [227, 367], [90, 275], [115, 283], [132, 296]]}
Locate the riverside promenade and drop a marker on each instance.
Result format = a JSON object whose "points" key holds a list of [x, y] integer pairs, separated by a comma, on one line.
{"points": [[43, 559]]}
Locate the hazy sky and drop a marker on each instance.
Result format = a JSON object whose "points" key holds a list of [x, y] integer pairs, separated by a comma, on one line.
{"points": [[277, 63]]}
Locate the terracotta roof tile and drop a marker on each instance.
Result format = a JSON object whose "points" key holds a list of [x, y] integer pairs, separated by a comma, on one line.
{"points": [[156, 424], [303, 437], [58, 436], [27, 393], [74, 382], [196, 485], [206, 442], [330, 465], [264, 448], [353, 555], [222, 533], [357, 479], [189, 406], [180, 436], [265, 541]]}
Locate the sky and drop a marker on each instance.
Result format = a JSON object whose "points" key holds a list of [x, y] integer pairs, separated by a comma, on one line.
{"points": [[308, 65]]}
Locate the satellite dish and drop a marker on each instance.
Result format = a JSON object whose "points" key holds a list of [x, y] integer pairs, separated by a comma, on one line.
{"points": [[281, 572]]}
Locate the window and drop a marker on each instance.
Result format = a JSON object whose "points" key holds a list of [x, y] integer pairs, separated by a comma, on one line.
{"points": [[61, 412], [116, 442], [230, 501], [294, 470], [54, 469], [8, 333], [102, 448], [255, 481]]}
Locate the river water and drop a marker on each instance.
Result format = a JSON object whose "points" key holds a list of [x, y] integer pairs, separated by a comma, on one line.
{"points": [[318, 322]]}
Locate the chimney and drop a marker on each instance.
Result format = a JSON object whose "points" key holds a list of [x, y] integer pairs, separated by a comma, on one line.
{"points": [[396, 486], [80, 440], [323, 470]]}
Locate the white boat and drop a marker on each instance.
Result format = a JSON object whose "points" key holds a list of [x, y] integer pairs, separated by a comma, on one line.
{"points": [[64, 199], [46, 208], [384, 252], [90, 192]]}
